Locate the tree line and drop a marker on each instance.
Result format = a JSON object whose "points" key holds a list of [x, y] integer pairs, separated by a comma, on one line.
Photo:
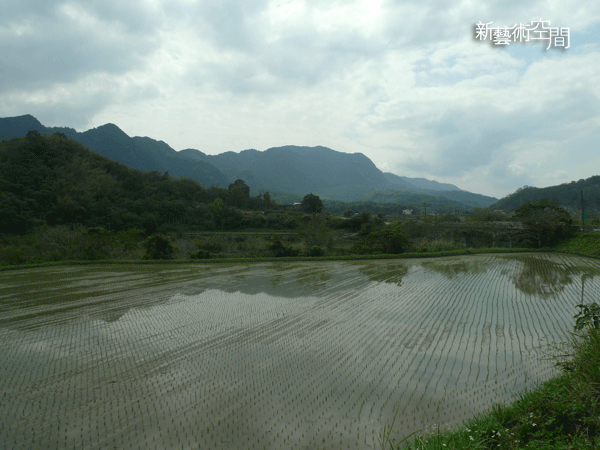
{"points": [[53, 180]]}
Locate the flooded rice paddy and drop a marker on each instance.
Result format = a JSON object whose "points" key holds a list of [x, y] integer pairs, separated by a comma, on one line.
{"points": [[276, 355]]}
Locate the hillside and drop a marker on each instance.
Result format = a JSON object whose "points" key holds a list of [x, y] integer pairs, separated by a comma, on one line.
{"points": [[418, 183], [333, 175], [54, 180], [568, 196], [290, 171], [301, 170], [141, 153]]}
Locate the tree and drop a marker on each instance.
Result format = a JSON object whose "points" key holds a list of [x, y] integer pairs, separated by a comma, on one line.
{"points": [[216, 207], [311, 203], [159, 246], [240, 193], [315, 232], [544, 221], [279, 249], [389, 240]]}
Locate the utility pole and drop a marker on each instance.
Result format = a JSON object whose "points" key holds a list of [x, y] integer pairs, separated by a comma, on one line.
{"points": [[425, 216], [582, 215]]}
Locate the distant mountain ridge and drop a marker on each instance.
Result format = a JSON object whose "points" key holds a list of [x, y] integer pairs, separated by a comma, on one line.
{"points": [[290, 169], [141, 153]]}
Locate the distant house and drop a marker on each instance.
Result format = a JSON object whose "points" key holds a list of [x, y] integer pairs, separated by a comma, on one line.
{"points": [[407, 212]]}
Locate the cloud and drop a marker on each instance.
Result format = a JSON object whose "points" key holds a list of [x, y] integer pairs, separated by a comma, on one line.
{"points": [[403, 82], [45, 43]]}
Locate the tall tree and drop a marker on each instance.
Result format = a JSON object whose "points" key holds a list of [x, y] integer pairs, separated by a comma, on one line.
{"points": [[544, 221], [240, 193], [311, 203]]}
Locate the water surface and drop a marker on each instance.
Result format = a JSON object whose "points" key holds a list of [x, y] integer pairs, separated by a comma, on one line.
{"points": [[276, 355]]}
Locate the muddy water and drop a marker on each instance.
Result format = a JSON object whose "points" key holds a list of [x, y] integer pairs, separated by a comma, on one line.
{"points": [[287, 355]]}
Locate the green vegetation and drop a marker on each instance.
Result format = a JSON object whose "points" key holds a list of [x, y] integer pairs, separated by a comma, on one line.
{"points": [[60, 201], [568, 196], [52, 180], [385, 241], [562, 413], [394, 202], [159, 246], [544, 221], [585, 244], [311, 203]]}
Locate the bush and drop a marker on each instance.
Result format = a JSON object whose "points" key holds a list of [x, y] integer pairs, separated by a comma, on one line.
{"points": [[366, 229], [13, 255], [130, 239], [588, 316], [202, 254], [279, 249], [159, 246], [389, 240], [437, 246], [315, 250], [210, 245], [35, 260], [92, 253], [61, 242]]}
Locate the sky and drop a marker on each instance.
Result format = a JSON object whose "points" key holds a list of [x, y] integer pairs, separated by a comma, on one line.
{"points": [[407, 83]]}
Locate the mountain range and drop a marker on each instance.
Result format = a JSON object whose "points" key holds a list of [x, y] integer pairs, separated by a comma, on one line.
{"points": [[286, 170]]}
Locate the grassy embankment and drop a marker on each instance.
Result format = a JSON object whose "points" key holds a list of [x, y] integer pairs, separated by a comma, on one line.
{"points": [[78, 245], [562, 413], [587, 244]]}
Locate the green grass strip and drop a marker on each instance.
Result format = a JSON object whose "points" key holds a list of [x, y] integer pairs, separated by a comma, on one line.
{"points": [[467, 251]]}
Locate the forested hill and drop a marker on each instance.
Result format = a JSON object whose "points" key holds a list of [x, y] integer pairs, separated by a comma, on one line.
{"points": [[334, 175], [141, 153], [284, 171], [298, 169], [56, 180], [568, 196]]}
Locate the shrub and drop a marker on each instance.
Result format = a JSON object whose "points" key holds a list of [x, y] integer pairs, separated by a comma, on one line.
{"points": [[442, 246], [315, 250], [13, 255], [93, 253], [389, 240], [588, 316], [159, 246], [279, 249], [99, 241], [210, 245], [202, 254], [35, 260], [128, 240], [61, 242]]}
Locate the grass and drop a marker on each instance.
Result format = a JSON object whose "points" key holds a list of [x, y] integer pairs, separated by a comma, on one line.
{"points": [[458, 252], [585, 244], [562, 413]]}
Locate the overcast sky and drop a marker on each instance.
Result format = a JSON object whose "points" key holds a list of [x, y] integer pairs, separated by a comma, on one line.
{"points": [[404, 82]]}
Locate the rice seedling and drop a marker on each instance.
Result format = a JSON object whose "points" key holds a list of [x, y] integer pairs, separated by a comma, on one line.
{"points": [[250, 357]]}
